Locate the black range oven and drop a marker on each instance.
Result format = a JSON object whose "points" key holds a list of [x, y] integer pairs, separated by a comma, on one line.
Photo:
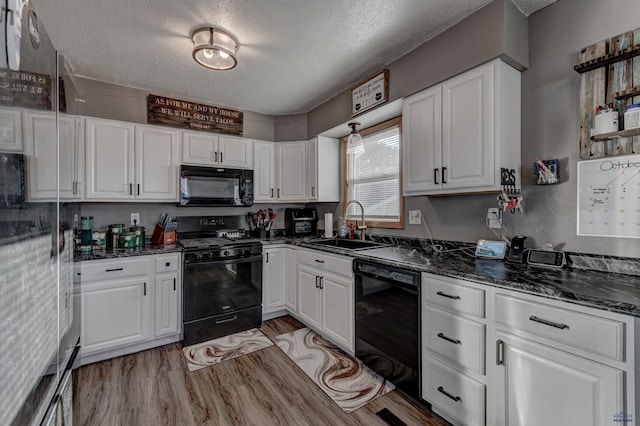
{"points": [[222, 279]]}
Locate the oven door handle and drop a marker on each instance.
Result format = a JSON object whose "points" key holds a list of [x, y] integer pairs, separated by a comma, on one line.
{"points": [[227, 261]]}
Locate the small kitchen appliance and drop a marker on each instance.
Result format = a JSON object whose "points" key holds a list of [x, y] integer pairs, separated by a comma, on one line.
{"points": [[300, 222], [215, 186], [546, 258], [516, 251], [222, 277]]}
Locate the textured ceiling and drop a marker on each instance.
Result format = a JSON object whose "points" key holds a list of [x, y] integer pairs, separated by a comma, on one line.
{"points": [[293, 54]]}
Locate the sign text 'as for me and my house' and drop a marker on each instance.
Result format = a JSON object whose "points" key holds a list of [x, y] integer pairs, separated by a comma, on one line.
{"points": [[194, 116]]}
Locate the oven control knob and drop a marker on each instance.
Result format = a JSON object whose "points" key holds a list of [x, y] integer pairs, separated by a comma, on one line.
{"points": [[225, 253], [198, 256]]}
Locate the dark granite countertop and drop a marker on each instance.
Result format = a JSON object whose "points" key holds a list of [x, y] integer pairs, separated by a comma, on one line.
{"points": [[613, 292], [147, 249]]}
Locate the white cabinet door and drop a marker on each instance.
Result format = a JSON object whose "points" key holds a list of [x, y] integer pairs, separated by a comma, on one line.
{"points": [[309, 300], [323, 169], [199, 148], [290, 265], [273, 280], [109, 159], [291, 160], [264, 171], [235, 152], [156, 151], [468, 129], [11, 134], [166, 305], [422, 141], [540, 385], [115, 314], [40, 136], [337, 309]]}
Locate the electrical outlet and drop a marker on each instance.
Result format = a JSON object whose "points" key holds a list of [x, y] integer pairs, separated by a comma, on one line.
{"points": [[135, 219], [494, 218], [415, 217]]}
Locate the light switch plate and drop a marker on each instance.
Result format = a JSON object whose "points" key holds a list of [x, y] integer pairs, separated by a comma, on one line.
{"points": [[415, 217]]}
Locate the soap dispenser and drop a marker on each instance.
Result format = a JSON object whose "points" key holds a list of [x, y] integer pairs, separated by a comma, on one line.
{"points": [[343, 230]]}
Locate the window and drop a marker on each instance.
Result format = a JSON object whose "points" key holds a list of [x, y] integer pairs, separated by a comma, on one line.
{"points": [[374, 176]]}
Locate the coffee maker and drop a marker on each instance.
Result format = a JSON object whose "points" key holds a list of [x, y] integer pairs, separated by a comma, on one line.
{"points": [[300, 222]]}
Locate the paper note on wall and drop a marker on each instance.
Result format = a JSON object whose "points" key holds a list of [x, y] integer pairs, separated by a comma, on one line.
{"points": [[609, 197]]}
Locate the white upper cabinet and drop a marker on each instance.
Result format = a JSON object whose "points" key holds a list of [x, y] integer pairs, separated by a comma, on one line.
{"points": [[323, 169], [264, 171], [459, 134], [130, 162], [11, 125], [216, 150], [109, 165], [40, 138], [291, 160], [156, 153]]}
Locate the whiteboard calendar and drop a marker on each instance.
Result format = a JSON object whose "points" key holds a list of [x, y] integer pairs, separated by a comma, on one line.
{"points": [[609, 197]]}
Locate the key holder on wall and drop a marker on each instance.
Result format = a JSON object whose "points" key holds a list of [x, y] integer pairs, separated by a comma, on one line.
{"points": [[510, 197]]}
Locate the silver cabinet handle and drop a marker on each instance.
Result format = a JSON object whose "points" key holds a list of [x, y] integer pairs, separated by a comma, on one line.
{"points": [[233, 318], [317, 285], [145, 289], [448, 295], [138, 189], [444, 175], [271, 192], [267, 259], [278, 192], [435, 176], [319, 261], [313, 191], [221, 158], [499, 352], [130, 189], [455, 398], [112, 270], [174, 284], [449, 339], [549, 323], [216, 155], [321, 283]]}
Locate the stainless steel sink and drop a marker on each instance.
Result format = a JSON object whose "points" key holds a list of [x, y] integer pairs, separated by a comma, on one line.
{"points": [[347, 244]]}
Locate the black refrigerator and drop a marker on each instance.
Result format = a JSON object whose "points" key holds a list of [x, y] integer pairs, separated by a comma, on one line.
{"points": [[39, 336]]}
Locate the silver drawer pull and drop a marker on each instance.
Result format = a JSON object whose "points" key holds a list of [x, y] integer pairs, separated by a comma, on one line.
{"points": [[549, 323], [113, 270], [448, 295], [455, 398], [449, 339], [233, 318], [319, 261]]}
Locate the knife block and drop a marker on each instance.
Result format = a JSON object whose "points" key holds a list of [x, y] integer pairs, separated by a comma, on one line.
{"points": [[162, 238]]}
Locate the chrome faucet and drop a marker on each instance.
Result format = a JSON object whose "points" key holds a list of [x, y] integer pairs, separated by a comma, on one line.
{"points": [[362, 227]]}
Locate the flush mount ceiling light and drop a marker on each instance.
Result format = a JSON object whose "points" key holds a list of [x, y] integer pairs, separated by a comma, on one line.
{"points": [[354, 143], [214, 48]]}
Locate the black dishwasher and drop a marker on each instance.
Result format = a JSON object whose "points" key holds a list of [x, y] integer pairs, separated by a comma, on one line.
{"points": [[387, 312]]}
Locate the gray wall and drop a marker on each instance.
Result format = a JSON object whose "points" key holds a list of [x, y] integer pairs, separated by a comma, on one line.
{"points": [[550, 124]]}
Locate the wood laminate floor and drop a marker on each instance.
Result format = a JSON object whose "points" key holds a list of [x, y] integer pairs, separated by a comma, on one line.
{"points": [[263, 388]]}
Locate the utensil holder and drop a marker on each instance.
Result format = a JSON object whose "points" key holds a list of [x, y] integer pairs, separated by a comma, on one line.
{"points": [[161, 237]]}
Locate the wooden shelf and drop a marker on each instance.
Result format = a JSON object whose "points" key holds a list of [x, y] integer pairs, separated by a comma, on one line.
{"points": [[626, 94], [619, 134], [608, 59]]}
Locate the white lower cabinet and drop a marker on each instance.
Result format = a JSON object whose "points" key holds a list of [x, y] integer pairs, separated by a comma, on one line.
{"points": [[128, 305], [290, 265], [540, 385], [325, 296], [273, 279]]}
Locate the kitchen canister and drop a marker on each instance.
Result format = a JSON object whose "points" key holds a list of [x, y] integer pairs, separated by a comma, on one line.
{"points": [[112, 235], [632, 117], [138, 231], [127, 240]]}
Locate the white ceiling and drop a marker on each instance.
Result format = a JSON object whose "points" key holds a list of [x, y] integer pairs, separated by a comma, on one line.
{"points": [[293, 54]]}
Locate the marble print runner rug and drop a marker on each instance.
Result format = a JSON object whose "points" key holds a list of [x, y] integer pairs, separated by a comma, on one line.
{"points": [[348, 382], [212, 352]]}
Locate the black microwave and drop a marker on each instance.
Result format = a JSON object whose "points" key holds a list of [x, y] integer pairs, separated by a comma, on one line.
{"points": [[215, 187]]}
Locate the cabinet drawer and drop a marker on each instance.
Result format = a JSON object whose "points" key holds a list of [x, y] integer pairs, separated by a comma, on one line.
{"points": [[453, 392], [457, 339], [168, 263], [456, 298], [108, 270], [336, 264], [597, 335]]}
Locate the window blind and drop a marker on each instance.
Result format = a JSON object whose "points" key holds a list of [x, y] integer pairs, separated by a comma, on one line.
{"points": [[374, 177]]}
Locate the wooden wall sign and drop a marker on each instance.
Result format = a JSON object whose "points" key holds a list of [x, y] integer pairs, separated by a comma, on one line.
{"points": [[370, 93], [25, 89], [194, 116]]}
